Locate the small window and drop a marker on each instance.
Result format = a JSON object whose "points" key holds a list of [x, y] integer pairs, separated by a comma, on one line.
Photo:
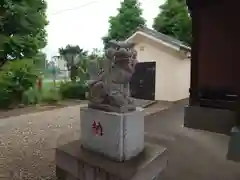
{"points": [[141, 48]]}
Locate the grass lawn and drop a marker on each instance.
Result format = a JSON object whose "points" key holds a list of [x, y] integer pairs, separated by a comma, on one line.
{"points": [[49, 84]]}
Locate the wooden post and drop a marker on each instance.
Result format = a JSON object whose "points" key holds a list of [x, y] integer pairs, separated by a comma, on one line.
{"points": [[194, 54]]}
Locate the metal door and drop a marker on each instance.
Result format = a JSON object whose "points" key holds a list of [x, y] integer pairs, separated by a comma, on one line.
{"points": [[142, 84]]}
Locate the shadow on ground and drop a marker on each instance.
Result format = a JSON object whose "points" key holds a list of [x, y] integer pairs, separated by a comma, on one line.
{"points": [[28, 142], [192, 154]]}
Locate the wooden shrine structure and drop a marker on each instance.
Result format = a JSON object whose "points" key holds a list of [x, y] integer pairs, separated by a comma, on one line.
{"points": [[215, 67]]}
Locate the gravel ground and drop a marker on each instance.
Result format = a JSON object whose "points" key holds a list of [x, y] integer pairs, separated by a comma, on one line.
{"points": [[27, 142]]}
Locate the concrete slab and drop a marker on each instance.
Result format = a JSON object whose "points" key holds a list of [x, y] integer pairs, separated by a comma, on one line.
{"points": [[234, 145], [79, 163], [210, 119], [143, 103], [195, 154]]}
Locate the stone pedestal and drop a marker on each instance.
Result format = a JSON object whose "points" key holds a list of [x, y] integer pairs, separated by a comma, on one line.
{"points": [[76, 163], [210, 119], [234, 145], [119, 136]]}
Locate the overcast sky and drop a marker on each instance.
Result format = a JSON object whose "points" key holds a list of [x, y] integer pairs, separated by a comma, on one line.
{"points": [[87, 22]]}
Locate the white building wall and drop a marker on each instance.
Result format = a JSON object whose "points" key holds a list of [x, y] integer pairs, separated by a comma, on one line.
{"points": [[172, 70]]}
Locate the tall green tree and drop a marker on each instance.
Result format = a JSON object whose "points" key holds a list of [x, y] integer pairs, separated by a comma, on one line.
{"points": [[98, 56], [125, 23], [96, 60], [40, 60], [22, 28], [73, 55], [173, 20]]}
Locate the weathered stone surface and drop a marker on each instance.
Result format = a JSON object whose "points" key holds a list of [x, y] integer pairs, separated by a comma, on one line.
{"points": [[122, 133], [146, 166], [210, 119], [234, 145], [109, 108], [110, 90]]}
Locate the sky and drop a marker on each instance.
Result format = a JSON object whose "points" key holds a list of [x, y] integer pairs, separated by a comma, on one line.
{"points": [[85, 22]]}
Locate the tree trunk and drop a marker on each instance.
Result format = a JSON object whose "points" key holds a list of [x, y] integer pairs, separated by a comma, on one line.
{"points": [[3, 60], [238, 113], [73, 73]]}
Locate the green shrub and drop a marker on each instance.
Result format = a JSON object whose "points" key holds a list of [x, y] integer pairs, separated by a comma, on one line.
{"points": [[31, 96], [6, 98], [16, 77], [51, 97], [71, 90]]}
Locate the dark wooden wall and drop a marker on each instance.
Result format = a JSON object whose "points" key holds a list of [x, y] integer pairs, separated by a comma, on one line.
{"points": [[218, 46]]}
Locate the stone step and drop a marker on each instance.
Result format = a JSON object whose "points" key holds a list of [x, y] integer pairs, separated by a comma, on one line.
{"points": [[74, 163], [160, 139], [143, 103]]}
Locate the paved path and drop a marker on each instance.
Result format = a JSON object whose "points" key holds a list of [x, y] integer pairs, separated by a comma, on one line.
{"points": [[193, 154], [27, 145]]}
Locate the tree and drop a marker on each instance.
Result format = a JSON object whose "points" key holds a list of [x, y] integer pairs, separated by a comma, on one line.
{"points": [[40, 60], [97, 56], [173, 20], [16, 78], [72, 55], [22, 29], [96, 62], [125, 23]]}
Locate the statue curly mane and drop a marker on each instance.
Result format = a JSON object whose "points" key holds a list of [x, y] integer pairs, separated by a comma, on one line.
{"points": [[110, 91]]}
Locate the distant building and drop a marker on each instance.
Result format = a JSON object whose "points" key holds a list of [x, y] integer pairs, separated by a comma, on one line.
{"points": [[61, 65], [163, 71]]}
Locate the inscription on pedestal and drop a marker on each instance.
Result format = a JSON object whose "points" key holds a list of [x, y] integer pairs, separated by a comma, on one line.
{"points": [[97, 128], [119, 136]]}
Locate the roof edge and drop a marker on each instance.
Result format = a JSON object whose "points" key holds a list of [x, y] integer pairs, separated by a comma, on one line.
{"points": [[174, 46], [162, 37]]}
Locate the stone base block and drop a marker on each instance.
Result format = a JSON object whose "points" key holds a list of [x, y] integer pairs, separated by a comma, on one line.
{"points": [[119, 136], [108, 108], [234, 146], [209, 119], [76, 163]]}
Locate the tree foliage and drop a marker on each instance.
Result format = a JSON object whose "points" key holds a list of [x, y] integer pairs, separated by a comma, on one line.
{"points": [[71, 53], [22, 32], [98, 57], [173, 20], [40, 60], [96, 54], [73, 56], [16, 77], [125, 23]]}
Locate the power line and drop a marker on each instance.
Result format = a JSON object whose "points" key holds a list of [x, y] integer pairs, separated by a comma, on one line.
{"points": [[74, 8], [79, 7]]}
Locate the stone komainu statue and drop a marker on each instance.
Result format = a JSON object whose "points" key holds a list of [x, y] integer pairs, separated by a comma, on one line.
{"points": [[110, 90]]}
